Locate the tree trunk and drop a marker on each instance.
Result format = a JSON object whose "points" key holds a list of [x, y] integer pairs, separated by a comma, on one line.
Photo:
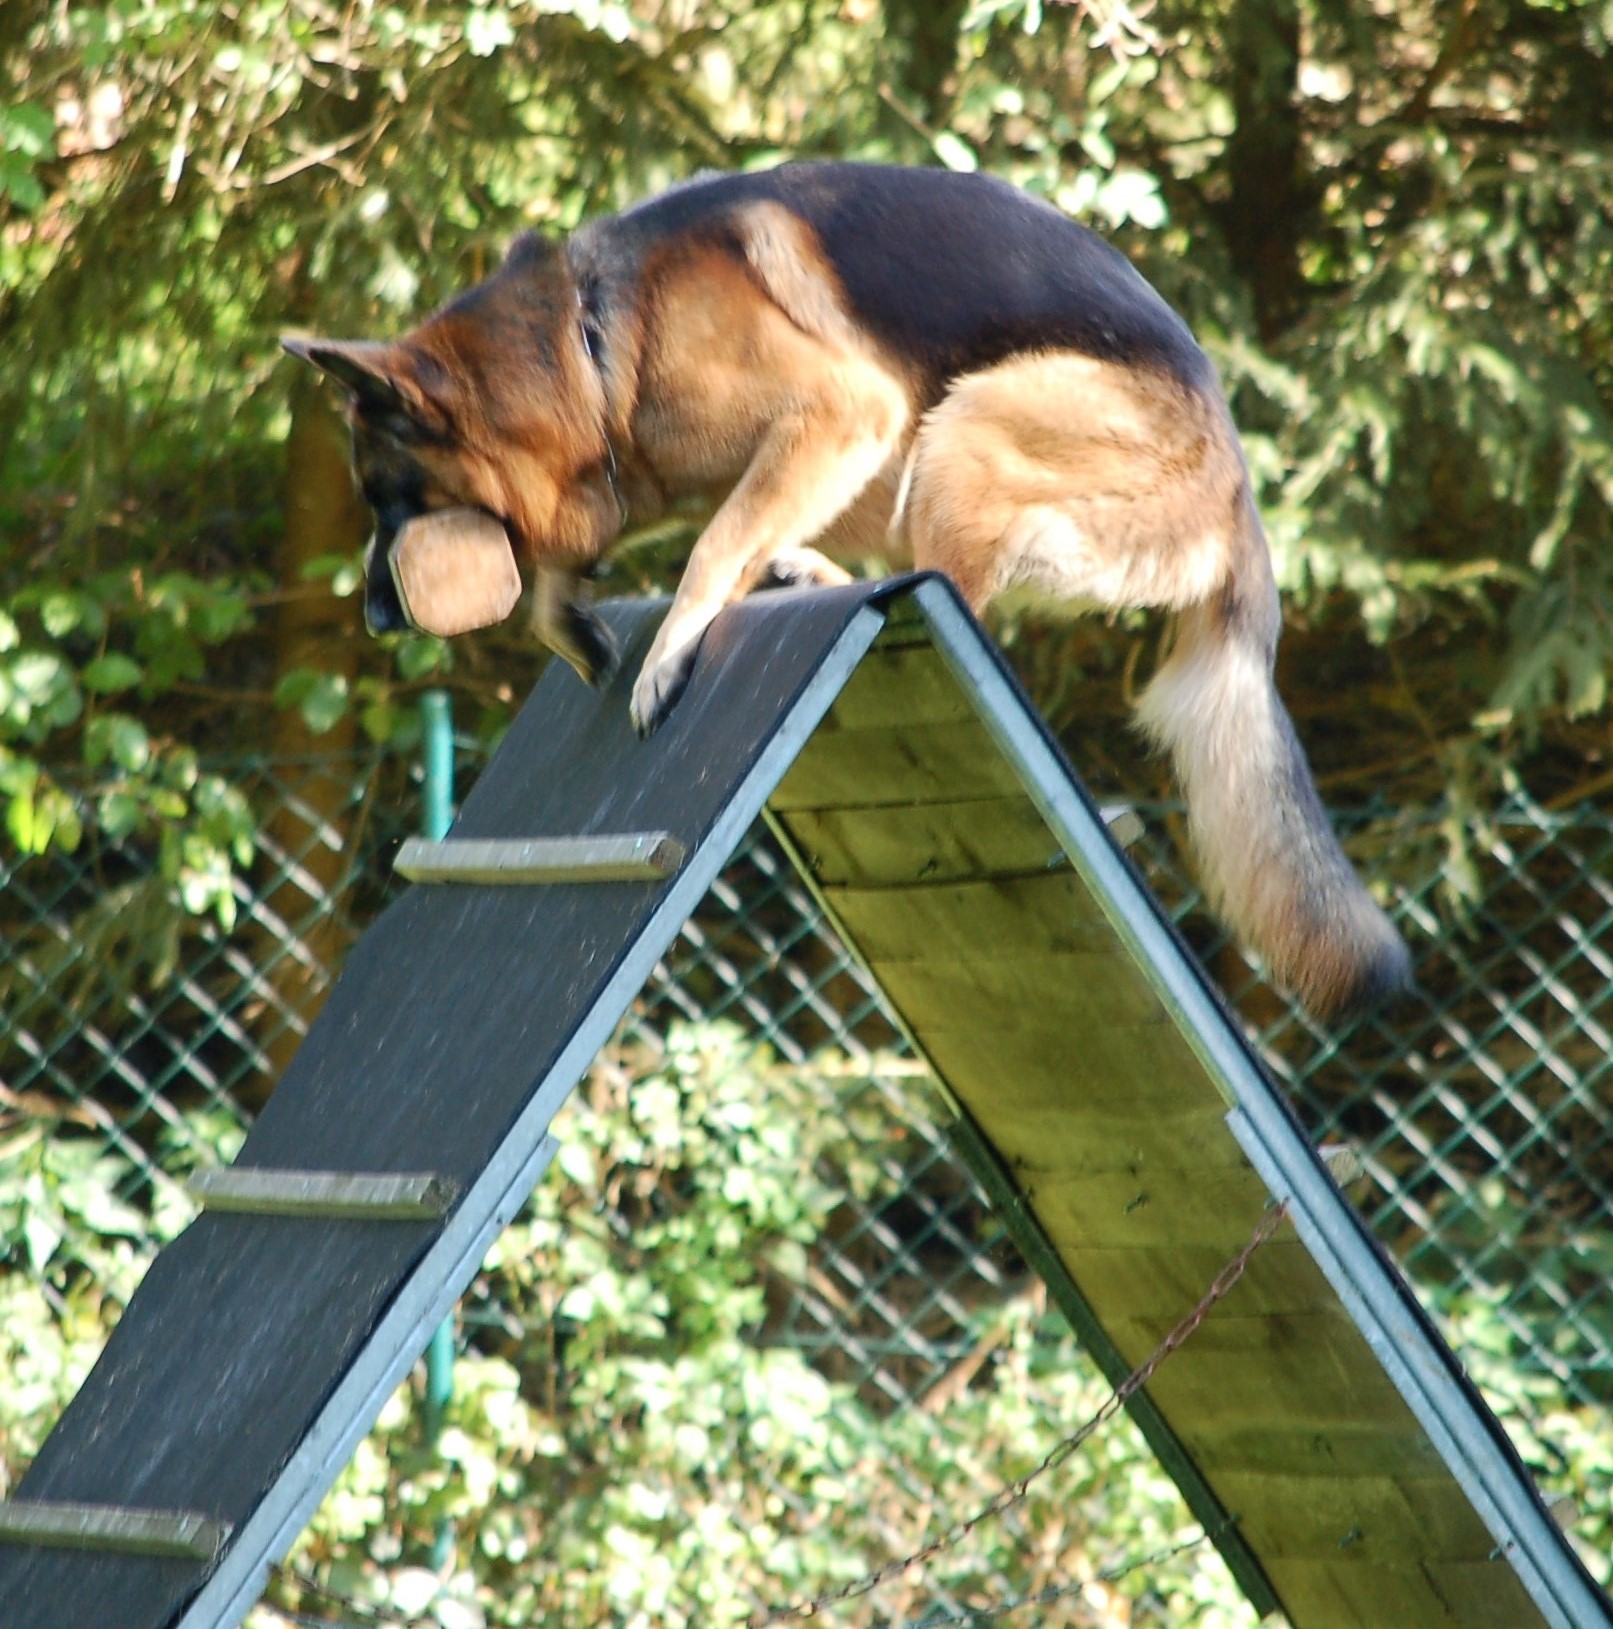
{"points": [[1267, 212], [304, 841], [925, 33]]}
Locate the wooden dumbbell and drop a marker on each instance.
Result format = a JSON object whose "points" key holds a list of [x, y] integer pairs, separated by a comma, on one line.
{"points": [[454, 570]]}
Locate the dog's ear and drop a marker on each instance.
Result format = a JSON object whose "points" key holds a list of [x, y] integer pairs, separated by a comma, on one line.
{"points": [[388, 380], [368, 368]]}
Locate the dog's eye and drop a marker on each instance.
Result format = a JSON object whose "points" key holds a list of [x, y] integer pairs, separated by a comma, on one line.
{"points": [[402, 431], [399, 429]]}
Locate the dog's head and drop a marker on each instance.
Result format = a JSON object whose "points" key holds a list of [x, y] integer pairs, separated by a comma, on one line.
{"points": [[492, 403]]}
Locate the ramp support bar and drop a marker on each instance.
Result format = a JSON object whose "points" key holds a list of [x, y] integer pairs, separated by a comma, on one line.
{"points": [[436, 821], [359, 1196], [174, 1534], [646, 856]]}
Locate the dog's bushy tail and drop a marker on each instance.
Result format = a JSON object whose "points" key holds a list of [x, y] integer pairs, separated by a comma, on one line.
{"points": [[1267, 856]]}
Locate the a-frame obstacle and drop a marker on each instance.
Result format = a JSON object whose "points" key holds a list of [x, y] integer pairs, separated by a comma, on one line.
{"points": [[1316, 1423]]}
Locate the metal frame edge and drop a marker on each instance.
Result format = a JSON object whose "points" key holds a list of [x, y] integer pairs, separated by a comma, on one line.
{"points": [[1513, 1512]]}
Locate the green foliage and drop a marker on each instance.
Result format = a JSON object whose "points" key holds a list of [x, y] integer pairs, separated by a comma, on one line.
{"points": [[1564, 1446], [75, 665], [1561, 636], [71, 1254], [1390, 226], [1391, 229]]}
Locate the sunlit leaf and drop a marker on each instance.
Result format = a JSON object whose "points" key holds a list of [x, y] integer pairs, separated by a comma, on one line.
{"points": [[118, 738], [108, 674]]}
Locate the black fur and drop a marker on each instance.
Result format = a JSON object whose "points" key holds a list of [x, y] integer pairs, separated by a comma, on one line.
{"points": [[957, 271]]}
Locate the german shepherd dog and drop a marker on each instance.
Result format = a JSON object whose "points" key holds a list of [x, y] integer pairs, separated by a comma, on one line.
{"points": [[843, 360]]}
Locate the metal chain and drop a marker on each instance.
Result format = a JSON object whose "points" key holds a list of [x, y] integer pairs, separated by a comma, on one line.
{"points": [[1016, 1490], [1054, 1592]]}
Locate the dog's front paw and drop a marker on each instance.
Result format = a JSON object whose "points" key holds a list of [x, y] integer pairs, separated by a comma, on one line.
{"points": [[658, 687], [589, 646]]}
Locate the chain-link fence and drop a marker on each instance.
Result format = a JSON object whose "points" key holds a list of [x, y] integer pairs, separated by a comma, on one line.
{"points": [[138, 1039]]}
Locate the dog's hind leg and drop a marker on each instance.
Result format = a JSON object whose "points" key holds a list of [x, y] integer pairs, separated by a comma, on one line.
{"points": [[1080, 480], [799, 568]]}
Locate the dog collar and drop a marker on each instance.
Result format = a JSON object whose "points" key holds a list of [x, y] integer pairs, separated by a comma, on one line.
{"points": [[593, 344]]}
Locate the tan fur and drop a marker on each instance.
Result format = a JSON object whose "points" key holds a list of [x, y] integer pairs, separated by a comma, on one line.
{"points": [[1267, 857], [1116, 487], [527, 443], [794, 424], [1078, 480]]}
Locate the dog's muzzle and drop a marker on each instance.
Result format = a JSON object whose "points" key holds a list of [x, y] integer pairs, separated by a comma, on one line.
{"points": [[383, 606]]}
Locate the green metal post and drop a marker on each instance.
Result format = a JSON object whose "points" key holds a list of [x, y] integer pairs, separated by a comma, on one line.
{"points": [[436, 815]]}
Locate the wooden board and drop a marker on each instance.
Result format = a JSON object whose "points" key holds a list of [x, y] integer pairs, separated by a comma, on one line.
{"points": [[1294, 1449], [1287, 1382], [1127, 1212], [1414, 1594], [1356, 1521], [1090, 992], [920, 763], [1315, 1403], [1135, 1140], [1021, 982], [1286, 1283], [963, 839], [1048, 911], [899, 687], [464, 1010], [1038, 1063]]}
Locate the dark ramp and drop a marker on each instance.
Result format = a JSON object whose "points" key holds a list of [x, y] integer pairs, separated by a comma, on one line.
{"points": [[1315, 1423]]}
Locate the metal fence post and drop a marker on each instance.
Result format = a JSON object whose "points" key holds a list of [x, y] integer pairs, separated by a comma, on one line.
{"points": [[436, 815]]}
